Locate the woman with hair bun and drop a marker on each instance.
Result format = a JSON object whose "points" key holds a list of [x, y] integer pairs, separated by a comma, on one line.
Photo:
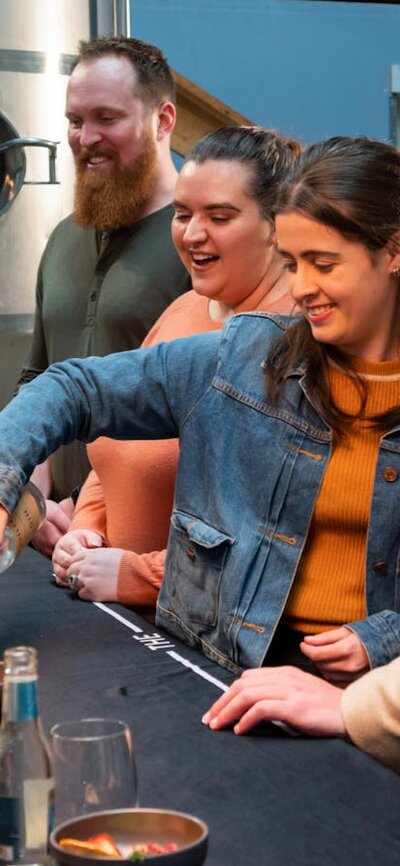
{"points": [[223, 231]]}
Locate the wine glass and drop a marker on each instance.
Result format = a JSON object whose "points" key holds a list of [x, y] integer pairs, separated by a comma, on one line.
{"points": [[94, 767]]}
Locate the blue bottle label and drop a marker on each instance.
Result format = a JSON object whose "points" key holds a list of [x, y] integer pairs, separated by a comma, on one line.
{"points": [[20, 699], [11, 822], [25, 823]]}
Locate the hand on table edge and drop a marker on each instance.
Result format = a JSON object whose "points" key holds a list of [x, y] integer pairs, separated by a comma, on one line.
{"points": [[71, 546], [301, 700], [80, 555]]}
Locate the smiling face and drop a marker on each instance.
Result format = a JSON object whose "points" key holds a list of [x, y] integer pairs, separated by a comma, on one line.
{"points": [[112, 136], [220, 234], [347, 293], [107, 120]]}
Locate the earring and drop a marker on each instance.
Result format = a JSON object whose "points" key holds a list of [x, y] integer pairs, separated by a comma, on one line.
{"points": [[395, 272]]}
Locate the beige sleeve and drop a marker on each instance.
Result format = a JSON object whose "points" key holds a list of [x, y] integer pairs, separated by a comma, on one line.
{"points": [[371, 713]]}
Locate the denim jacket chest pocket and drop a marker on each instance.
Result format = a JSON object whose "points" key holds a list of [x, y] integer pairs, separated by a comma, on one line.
{"points": [[198, 553]]}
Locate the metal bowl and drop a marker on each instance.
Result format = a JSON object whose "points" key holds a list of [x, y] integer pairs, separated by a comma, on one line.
{"points": [[129, 827]]}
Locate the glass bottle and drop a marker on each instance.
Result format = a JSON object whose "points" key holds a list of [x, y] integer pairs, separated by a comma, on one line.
{"points": [[22, 524], [26, 775]]}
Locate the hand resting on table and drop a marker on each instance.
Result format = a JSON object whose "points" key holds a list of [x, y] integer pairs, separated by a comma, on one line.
{"points": [[290, 695], [80, 553]]}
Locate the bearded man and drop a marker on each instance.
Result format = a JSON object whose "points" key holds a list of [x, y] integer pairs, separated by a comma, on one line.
{"points": [[109, 269]]}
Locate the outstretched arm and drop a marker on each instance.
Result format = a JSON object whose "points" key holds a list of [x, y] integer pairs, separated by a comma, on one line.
{"points": [[142, 394]]}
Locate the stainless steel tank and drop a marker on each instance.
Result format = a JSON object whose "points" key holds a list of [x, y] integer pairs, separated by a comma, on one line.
{"points": [[37, 43]]}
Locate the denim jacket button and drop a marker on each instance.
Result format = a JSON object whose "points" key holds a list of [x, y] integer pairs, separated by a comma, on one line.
{"points": [[380, 567], [390, 473], [190, 553]]}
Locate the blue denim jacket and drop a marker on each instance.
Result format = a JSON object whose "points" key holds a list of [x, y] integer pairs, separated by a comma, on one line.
{"points": [[248, 479]]}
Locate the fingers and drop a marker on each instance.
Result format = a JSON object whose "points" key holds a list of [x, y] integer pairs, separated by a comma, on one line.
{"points": [[88, 538], [96, 571], [64, 549], [330, 653], [259, 688], [57, 516], [243, 709], [62, 561], [65, 564], [85, 586], [74, 582], [51, 529], [299, 699], [67, 505], [263, 710], [88, 592], [3, 521], [60, 578], [329, 647], [72, 549], [228, 698], [327, 637], [219, 705], [46, 538], [77, 540], [340, 661]]}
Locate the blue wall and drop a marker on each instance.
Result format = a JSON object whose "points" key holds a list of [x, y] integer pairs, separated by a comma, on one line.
{"points": [[307, 67]]}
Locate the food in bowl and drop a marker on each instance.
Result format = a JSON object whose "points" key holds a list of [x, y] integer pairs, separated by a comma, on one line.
{"points": [[141, 852], [103, 845], [129, 830]]}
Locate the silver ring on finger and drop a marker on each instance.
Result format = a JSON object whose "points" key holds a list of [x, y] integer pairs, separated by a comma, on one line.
{"points": [[74, 582]]}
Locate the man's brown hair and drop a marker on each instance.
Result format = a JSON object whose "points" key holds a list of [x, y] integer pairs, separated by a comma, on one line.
{"points": [[155, 81]]}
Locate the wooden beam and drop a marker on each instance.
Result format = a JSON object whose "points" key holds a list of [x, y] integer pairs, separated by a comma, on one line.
{"points": [[199, 112]]}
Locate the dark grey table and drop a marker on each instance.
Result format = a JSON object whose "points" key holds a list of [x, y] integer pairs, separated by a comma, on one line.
{"points": [[268, 798]]}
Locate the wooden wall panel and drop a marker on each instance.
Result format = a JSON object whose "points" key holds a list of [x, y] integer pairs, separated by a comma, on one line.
{"points": [[199, 112]]}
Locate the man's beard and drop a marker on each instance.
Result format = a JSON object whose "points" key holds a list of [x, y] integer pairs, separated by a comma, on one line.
{"points": [[116, 197]]}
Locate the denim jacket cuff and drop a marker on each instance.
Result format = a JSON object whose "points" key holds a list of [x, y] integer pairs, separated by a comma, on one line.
{"points": [[380, 636]]}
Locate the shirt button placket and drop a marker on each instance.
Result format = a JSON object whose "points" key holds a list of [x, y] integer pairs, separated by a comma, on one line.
{"points": [[91, 307]]}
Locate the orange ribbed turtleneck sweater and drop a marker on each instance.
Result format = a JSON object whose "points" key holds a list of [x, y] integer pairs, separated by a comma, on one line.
{"points": [[329, 588]]}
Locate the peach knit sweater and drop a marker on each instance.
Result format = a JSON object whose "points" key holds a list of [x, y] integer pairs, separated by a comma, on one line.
{"points": [[128, 497]]}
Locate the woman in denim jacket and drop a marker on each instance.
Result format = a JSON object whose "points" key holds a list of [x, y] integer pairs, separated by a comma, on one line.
{"points": [[285, 529]]}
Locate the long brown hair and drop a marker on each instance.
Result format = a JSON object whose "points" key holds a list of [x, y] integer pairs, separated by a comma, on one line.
{"points": [[351, 185]]}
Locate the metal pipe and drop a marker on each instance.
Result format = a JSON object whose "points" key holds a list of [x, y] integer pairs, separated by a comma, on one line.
{"points": [[122, 17], [128, 30], [36, 142], [110, 17]]}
